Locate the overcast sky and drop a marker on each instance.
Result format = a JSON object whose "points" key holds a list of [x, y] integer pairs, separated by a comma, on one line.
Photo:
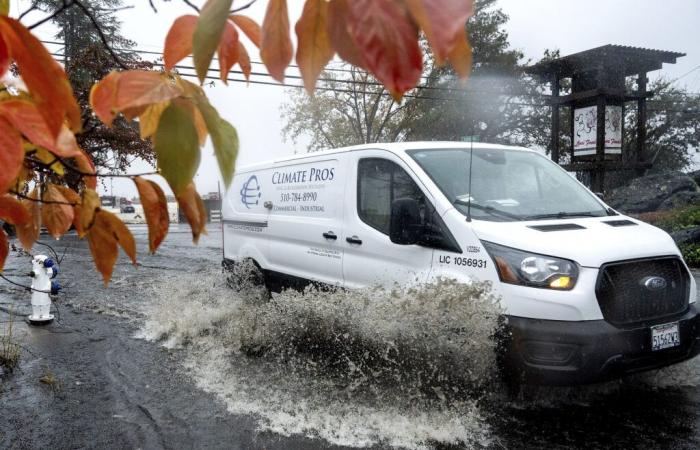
{"points": [[569, 25]]}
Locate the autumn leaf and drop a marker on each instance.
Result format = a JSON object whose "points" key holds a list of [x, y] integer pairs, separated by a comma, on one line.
{"points": [[4, 7], [275, 43], [43, 76], [460, 57], [4, 248], [103, 246], [176, 144], [56, 212], [12, 210], [224, 139], [244, 61], [120, 232], [132, 90], [85, 165], [89, 204], [314, 48], [4, 56], [337, 29], [207, 33], [228, 50], [11, 155], [443, 22], [249, 27], [148, 121], [178, 42], [28, 232], [155, 208], [388, 40], [192, 206]]}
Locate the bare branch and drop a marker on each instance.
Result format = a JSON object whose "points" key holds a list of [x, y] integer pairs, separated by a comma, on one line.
{"points": [[241, 8]]}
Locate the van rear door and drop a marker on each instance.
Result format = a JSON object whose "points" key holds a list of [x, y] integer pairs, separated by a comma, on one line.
{"points": [[370, 258]]}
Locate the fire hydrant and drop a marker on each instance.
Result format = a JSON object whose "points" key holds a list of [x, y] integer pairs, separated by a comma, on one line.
{"points": [[43, 270]]}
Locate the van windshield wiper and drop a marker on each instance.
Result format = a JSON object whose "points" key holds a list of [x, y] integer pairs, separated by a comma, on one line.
{"points": [[489, 209], [563, 215]]}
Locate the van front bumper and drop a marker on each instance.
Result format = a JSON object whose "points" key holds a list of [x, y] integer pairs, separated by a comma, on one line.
{"points": [[568, 353]]}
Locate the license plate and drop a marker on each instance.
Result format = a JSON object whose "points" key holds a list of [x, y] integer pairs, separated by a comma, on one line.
{"points": [[665, 336]]}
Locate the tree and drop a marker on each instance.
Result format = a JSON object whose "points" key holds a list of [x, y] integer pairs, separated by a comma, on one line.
{"points": [[350, 106], [40, 120], [88, 59]]}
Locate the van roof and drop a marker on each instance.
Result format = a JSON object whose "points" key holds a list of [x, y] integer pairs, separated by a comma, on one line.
{"points": [[393, 147]]}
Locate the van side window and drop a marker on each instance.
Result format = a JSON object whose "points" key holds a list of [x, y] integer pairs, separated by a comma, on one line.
{"points": [[379, 183]]}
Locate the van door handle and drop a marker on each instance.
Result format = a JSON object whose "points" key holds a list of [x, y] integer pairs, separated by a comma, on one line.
{"points": [[354, 240], [330, 235]]}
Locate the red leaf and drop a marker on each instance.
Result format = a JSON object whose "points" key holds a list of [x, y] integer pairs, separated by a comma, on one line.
{"points": [[249, 27], [178, 42], [191, 204], [228, 50], [11, 155], [4, 57], [28, 232], [44, 77], [388, 41], [103, 246], [121, 234], [86, 165], [155, 208], [244, 61], [56, 213], [12, 210], [275, 44], [314, 45], [339, 35], [4, 248], [443, 22]]}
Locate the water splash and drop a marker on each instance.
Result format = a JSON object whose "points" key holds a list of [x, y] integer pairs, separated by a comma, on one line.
{"points": [[403, 367]]}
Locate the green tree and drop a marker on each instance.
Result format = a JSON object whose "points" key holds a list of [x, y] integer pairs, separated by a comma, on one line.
{"points": [[91, 51]]}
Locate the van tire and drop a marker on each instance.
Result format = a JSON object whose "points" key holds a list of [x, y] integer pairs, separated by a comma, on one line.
{"points": [[254, 277]]}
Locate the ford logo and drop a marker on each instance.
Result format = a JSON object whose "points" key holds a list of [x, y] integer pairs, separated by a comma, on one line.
{"points": [[654, 283]]}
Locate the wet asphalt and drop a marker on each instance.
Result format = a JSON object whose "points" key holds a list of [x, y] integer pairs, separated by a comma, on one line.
{"points": [[103, 388]]}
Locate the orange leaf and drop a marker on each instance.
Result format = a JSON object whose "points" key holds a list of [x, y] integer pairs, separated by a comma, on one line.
{"points": [[44, 77], [461, 57], [442, 21], [4, 57], [74, 198], [178, 42], [388, 40], [249, 27], [195, 212], [228, 50], [314, 46], [155, 208], [103, 246], [121, 233], [4, 248], [85, 165], [340, 37], [56, 212], [129, 90], [90, 203], [11, 155], [12, 210], [275, 44], [244, 61], [28, 232]]}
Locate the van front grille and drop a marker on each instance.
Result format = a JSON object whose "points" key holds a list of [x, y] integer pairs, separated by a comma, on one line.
{"points": [[642, 290]]}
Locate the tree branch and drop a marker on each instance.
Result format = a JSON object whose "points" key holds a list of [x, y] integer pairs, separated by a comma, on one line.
{"points": [[241, 8], [38, 200]]}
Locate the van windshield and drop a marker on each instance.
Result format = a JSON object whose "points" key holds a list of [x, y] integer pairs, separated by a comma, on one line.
{"points": [[507, 185]]}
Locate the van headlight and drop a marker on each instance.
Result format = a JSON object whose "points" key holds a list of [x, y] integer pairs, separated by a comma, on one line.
{"points": [[530, 269]]}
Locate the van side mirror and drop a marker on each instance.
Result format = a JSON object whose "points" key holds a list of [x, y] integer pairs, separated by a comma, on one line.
{"points": [[405, 227]]}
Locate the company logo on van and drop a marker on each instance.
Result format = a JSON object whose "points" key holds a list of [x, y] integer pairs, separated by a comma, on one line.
{"points": [[250, 192], [654, 283]]}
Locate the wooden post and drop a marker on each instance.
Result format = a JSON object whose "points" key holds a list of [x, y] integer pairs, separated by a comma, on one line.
{"points": [[598, 182], [641, 121], [555, 118]]}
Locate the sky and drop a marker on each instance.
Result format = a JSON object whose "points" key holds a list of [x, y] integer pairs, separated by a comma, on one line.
{"points": [[535, 25]]}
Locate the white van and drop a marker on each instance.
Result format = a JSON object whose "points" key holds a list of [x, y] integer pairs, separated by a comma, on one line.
{"points": [[588, 294]]}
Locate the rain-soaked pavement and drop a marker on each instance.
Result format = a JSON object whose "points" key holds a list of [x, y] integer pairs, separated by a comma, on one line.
{"points": [[168, 357]]}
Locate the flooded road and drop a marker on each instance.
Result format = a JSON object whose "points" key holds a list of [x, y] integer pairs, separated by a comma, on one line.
{"points": [[168, 356]]}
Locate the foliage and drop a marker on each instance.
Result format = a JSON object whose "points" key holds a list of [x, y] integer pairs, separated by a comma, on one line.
{"points": [[676, 220], [40, 120], [87, 60]]}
